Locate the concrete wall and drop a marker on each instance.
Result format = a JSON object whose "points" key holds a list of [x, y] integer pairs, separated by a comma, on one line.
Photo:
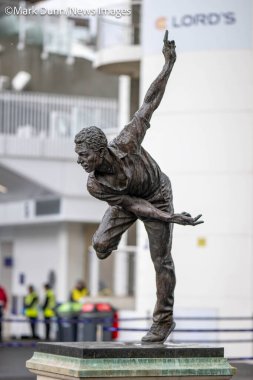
{"points": [[39, 249], [204, 133], [65, 177]]}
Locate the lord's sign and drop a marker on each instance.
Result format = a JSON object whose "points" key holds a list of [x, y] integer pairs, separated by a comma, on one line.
{"points": [[197, 24]]}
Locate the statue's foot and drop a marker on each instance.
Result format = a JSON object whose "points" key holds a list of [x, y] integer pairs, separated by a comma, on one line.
{"points": [[159, 332]]}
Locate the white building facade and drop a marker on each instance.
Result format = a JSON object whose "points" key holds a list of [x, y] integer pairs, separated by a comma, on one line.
{"points": [[203, 129]]}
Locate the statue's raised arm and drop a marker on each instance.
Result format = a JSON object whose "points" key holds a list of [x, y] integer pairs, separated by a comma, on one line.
{"points": [[156, 90]]}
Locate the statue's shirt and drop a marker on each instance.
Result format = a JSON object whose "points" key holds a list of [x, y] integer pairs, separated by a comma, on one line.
{"points": [[137, 174]]}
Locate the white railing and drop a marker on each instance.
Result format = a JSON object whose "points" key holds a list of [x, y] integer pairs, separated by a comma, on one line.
{"points": [[35, 123]]}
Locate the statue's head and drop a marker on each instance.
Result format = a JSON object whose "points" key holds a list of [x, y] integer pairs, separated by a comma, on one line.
{"points": [[91, 145]]}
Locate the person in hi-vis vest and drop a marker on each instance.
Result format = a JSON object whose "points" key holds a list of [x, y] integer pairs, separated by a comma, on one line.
{"points": [[31, 305], [79, 292], [48, 308]]}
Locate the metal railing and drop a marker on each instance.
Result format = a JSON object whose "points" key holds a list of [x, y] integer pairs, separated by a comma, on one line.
{"points": [[54, 119], [245, 337]]}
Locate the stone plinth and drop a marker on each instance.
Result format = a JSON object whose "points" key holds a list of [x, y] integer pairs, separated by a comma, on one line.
{"points": [[105, 360]]}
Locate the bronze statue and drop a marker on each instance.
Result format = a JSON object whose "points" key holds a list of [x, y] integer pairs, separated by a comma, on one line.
{"points": [[124, 175]]}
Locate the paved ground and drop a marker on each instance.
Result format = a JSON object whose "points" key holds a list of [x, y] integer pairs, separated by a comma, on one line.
{"points": [[12, 365], [244, 371]]}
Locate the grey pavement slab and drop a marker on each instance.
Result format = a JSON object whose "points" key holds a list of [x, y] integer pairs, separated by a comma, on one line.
{"points": [[12, 363], [244, 371]]}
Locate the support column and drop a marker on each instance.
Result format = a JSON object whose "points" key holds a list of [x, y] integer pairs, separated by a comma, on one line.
{"points": [[94, 273], [120, 284], [62, 281], [145, 295], [22, 28], [124, 100]]}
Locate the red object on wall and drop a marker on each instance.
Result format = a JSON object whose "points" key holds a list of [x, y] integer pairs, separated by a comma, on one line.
{"points": [[115, 324], [3, 297]]}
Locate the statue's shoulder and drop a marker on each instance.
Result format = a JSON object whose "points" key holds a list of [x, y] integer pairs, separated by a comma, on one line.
{"points": [[118, 147]]}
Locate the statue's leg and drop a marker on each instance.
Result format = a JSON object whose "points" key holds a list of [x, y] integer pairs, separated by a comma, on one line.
{"points": [[114, 223], [160, 241]]}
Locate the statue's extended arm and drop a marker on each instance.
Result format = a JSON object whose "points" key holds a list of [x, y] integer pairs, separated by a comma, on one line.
{"points": [[143, 209], [156, 90]]}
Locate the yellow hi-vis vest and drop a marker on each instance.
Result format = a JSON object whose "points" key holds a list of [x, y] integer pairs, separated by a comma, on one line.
{"points": [[31, 305], [49, 310], [77, 295]]}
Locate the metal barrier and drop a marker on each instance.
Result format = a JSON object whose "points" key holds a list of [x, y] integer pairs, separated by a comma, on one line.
{"points": [[104, 321]]}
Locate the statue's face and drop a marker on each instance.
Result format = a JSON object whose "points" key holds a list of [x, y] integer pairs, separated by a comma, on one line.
{"points": [[89, 159]]}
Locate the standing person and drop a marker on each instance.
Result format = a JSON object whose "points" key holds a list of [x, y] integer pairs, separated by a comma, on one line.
{"points": [[124, 175], [3, 306], [79, 292], [32, 309], [48, 308]]}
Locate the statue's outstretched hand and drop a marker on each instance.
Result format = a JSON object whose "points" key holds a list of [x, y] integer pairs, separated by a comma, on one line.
{"points": [[169, 49], [186, 219]]}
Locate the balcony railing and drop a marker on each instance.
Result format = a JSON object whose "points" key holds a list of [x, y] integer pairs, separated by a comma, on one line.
{"points": [[31, 123]]}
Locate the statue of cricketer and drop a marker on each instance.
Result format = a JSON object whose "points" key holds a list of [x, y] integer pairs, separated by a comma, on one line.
{"points": [[123, 174]]}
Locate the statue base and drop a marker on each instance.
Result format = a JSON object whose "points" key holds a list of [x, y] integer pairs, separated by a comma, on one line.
{"points": [[104, 360]]}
